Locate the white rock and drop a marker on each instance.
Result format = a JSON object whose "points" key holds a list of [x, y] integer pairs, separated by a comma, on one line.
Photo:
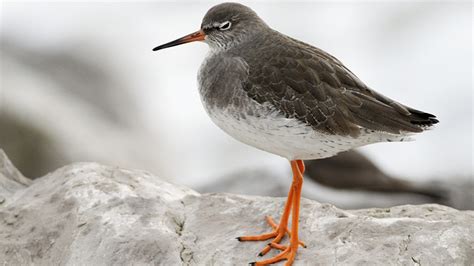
{"points": [[89, 214]]}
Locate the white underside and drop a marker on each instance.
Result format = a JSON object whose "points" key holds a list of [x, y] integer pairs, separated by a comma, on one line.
{"points": [[290, 138], [264, 127]]}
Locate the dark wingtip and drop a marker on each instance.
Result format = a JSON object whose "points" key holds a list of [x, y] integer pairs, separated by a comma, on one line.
{"points": [[238, 238], [422, 119], [432, 118], [260, 254], [426, 122]]}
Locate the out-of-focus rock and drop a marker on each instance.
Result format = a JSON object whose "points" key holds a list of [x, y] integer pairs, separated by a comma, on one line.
{"points": [[11, 180], [91, 214], [348, 180], [30, 147], [60, 106], [460, 194], [72, 73], [353, 170], [276, 183]]}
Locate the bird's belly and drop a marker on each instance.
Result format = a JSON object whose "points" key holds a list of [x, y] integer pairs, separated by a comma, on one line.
{"points": [[266, 129]]}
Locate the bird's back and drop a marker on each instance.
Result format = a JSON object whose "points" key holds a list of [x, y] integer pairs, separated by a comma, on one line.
{"points": [[310, 85]]}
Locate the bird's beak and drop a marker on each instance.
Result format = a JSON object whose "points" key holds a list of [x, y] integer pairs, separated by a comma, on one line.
{"points": [[195, 36]]}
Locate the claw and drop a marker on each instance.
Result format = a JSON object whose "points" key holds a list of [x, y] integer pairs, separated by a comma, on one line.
{"points": [[287, 254]]}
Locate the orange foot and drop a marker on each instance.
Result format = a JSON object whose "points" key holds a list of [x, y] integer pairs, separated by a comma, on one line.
{"points": [[277, 234], [279, 231], [288, 253]]}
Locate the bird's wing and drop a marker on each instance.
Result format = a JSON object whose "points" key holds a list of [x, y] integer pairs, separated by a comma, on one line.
{"points": [[308, 84]]}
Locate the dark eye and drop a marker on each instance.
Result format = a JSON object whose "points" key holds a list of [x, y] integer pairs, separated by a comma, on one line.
{"points": [[225, 25]]}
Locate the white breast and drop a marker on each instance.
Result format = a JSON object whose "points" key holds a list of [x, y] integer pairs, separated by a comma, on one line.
{"points": [[261, 125]]}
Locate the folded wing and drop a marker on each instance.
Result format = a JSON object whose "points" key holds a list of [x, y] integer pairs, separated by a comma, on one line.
{"points": [[310, 85]]}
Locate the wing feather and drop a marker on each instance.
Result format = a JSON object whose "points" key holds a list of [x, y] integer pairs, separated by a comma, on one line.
{"points": [[308, 84]]}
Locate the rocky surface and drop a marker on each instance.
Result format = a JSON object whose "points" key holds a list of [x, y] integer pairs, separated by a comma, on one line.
{"points": [[90, 214], [11, 180]]}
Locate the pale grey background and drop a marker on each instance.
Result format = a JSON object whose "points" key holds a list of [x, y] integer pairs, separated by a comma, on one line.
{"points": [[419, 53]]}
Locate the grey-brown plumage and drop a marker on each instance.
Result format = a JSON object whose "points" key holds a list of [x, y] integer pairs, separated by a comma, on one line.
{"points": [[308, 84], [254, 72]]}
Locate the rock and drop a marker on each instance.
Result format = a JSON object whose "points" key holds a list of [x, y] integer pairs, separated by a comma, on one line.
{"points": [[90, 214], [353, 170], [47, 96], [11, 179], [459, 193], [30, 147]]}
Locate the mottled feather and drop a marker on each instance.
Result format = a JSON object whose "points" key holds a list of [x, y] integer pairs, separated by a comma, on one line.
{"points": [[308, 84]]}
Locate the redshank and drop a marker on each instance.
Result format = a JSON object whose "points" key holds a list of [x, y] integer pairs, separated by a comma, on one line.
{"points": [[291, 99]]}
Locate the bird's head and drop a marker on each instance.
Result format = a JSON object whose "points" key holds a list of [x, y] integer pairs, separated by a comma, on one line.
{"points": [[224, 26]]}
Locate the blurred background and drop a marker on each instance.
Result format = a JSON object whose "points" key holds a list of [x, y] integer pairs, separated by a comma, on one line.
{"points": [[79, 82]]}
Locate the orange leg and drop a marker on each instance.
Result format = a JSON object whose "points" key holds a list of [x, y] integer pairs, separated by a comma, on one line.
{"points": [[279, 231]]}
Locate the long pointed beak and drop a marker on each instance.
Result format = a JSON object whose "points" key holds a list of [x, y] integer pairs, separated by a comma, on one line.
{"points": [[195, 36]]}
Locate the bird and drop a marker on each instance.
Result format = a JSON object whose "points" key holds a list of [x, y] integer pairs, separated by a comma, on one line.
{"points": [[291, 99]]}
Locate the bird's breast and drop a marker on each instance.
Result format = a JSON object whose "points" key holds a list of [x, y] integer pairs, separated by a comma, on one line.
{"points": [[220, 80]]}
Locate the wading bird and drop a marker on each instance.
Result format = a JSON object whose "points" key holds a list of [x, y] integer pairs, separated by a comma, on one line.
{"points": [[291, 99]]}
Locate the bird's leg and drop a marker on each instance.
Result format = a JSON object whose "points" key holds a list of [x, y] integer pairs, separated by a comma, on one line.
{"points": [[279, 231], [293, 202], [282, 227], [289, 252], [301, 166], [294, 240]]}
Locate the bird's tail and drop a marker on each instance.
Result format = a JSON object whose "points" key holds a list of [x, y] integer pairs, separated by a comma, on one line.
{"points": [[422, 119]]}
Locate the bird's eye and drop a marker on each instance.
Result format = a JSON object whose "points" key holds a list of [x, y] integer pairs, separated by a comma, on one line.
{"points": [[225, 25]]}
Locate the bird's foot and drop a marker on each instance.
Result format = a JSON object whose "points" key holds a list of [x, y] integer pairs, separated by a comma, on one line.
{"points": [[288, 253], [277, 233]]}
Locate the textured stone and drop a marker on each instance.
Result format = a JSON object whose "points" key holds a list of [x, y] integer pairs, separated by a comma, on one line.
{"points": [[89, 214]]}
